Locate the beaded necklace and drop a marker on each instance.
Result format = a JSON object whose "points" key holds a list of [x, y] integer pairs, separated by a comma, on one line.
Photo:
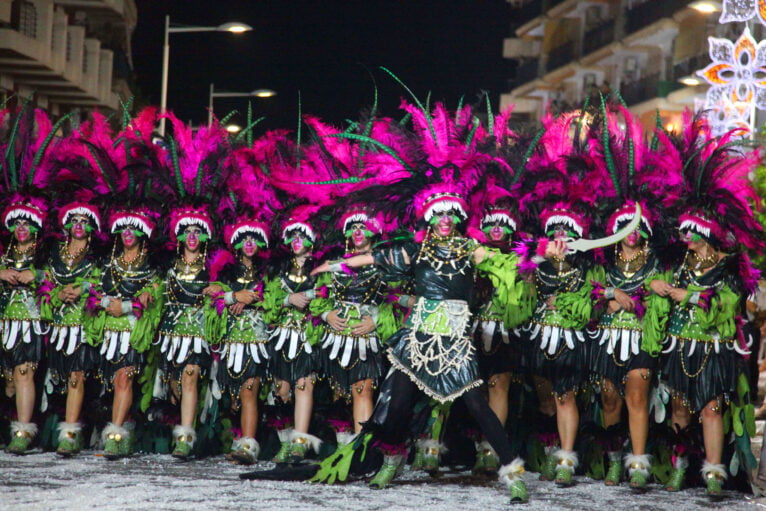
{"points": [[458, 256]]}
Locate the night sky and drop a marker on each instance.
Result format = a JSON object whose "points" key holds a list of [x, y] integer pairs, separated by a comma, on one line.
{"points": [[328, 50]]}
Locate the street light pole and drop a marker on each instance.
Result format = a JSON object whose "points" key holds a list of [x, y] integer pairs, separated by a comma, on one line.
{"points": [[257, 93], [233, 27]]}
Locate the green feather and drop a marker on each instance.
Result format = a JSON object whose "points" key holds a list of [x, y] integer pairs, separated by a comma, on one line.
{"points": [[249, 131], [298, 131], [658, 127], [469, 140], [10, 157], [619, 98], [528, 154], [581, 117], [386, 149], [459, 108], [607, 150], [250, 124], [41, 151], [177, 168], [226, 117], [490, 117], [417, 102], [404, 120]]}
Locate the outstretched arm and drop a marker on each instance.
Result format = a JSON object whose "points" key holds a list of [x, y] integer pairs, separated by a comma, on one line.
{"points": [[356, 261]]}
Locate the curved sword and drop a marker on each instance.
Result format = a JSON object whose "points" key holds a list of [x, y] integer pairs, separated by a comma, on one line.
{"points": [[583, 245]]}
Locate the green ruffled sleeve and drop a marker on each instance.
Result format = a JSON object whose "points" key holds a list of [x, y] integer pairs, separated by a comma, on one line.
{"points": [[576, 307], [522, 311], [273, 301], [655, 321], [387, 322], [142, 335], [720, 313], [319, 305], [502, 271]]}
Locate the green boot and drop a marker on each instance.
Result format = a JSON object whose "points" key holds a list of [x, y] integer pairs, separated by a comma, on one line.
{"points": [[614, 472], [126, 445], [418, 459], [22, 434], [512, 476], [487, 461], [391, 467], [70, 439], [639, 467], [548, 472], [184, 437], [714, 476], [284, 449], [566, 463], [244, 451], [114, 436], [677, 475], [432, 450], [300, 444]]}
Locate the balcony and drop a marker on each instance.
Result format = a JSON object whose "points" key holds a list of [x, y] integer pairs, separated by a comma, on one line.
{"points": [[529, 11], [649, 12], [640, 90], [690, 66], [598, 36], [550, 4], [560, 56], [526, 72]]}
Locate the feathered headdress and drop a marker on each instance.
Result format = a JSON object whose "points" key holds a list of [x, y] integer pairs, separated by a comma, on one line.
{"points": [[716, 196], [26, 166], [193, 175]]}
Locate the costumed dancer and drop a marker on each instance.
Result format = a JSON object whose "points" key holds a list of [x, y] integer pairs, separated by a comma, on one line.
{"points": [[433, 355], [561, 177], [189, 323], [292, 346], [72, 271], [702, 361], [26, 170], [625, 347], [244, 346]]}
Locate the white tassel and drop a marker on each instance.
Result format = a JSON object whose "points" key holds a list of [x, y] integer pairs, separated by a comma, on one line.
{"points": [[511, 472], [640, 463], [313, 441], [567, 460]]}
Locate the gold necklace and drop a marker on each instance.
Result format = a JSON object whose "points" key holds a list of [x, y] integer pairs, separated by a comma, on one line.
{"points": [[699, 264], [296, 272], [624, 264], [134, 263], [69, 258]]}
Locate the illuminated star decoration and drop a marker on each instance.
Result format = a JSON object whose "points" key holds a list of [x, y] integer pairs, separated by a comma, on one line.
{"points": [[743, 10], [737, 70], [724, 116]]}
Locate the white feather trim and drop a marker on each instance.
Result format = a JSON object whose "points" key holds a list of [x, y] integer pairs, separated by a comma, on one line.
{"points": [[566, 459], [313, 441], [511, 472], [638, 463]]}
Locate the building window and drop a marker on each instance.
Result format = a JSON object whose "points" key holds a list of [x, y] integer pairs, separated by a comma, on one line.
{"points": [[68, 47], [85, 58], [28, 19]]}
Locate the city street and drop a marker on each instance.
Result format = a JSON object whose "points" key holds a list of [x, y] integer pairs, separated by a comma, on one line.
{"points": [[90, 482]]}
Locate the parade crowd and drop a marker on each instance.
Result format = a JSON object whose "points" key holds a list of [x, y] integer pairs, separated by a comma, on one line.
{"points": [[571, 297]]}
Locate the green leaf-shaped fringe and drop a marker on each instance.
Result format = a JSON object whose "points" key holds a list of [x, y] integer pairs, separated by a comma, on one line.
{"points": [[226, 117], [177, 168], [472, 134], [10, 157], [607, 149], [249, 131], [528, 154], [490, 117]]}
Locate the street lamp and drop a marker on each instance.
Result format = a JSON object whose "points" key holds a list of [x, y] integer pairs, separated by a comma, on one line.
{"points": [[257, 93], [232, 27]]}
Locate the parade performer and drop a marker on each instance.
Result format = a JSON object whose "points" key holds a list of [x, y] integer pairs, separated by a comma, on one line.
{"points": [[292, 346], [189, 323], [244, 345], [622, 359], [124, 303], [26, 169], [561, 177], [433, 355], [701, 362]]}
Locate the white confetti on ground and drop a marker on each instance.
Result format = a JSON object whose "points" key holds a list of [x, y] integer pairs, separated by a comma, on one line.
{"points": [[43, 481]]}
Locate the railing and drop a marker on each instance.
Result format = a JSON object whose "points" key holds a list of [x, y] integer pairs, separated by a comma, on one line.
{"points": [[560, 56], [649, 12], [640, 90], [598, 36], [690, 66], [526, 71]]}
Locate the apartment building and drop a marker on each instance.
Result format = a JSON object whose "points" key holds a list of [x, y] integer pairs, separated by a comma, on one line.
{"points": [[648, 50], [67, 54]]}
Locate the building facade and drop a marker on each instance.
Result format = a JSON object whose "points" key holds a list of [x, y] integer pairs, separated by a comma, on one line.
{"points": [[648, 50], [67, 54]]}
